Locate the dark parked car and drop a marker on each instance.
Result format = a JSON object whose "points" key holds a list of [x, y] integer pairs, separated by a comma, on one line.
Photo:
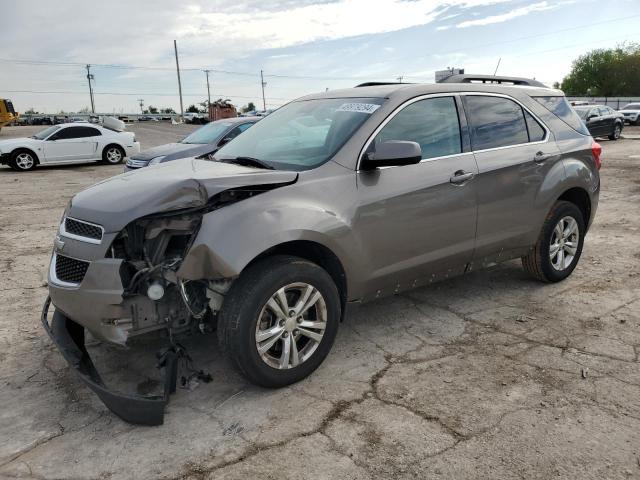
{"points": [[602, 121], [334, 199], [204, 141]]}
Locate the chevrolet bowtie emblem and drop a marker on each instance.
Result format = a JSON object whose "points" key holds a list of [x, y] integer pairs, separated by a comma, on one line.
{"points": [[58, 244]]}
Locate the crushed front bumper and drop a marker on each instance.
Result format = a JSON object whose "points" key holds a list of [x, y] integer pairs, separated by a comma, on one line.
{"points": [[68, 336]]}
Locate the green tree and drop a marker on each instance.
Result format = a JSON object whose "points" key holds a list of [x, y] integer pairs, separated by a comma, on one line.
{"points": [[192, 109], [168, 111], [606, 72], [152, 109], [31, 111], [249, 107]]}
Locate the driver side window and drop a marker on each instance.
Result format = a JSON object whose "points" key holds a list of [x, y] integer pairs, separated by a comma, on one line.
{"points": [[432, 123]]}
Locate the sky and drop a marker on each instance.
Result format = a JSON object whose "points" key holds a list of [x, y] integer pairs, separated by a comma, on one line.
{"points": [[303, 46]]}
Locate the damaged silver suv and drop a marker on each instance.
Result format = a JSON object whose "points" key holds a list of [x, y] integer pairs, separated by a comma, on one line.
{"points": [[334, 199]]}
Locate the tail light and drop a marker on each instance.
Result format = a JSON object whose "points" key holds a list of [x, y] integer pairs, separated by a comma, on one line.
{"points": [[596, 151]]}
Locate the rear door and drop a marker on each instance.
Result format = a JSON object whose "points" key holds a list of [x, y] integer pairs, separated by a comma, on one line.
{"points": [[515, 153], [72, 144], [417, 222]]}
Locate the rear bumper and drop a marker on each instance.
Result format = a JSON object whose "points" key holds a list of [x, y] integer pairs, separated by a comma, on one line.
{"points": [[68, 336]]}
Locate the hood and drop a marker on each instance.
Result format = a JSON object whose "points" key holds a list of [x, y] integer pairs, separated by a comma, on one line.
{"points": [[9, 144], [186, 183], [168, 149], [196, 150]]}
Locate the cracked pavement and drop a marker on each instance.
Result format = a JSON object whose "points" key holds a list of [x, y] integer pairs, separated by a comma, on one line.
{"points": [[491, 375]]}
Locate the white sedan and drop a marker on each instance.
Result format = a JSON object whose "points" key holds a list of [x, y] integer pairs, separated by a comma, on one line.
{"points": [[68, 143]]}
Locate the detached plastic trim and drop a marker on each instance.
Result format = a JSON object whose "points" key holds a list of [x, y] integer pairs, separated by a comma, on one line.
{"points": [[68, 336]]}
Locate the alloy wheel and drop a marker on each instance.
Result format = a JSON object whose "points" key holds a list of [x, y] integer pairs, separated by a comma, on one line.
{"points": [[114, 155], [564, 243], [616, 132], [24, 161], [291, 325]]}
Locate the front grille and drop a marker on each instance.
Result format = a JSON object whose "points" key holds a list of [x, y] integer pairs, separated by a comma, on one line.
{"points": [[82, 229], [70, 270]]}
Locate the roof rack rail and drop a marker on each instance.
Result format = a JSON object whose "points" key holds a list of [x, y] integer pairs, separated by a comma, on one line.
{"points": [[468, 78], [377, 84]]}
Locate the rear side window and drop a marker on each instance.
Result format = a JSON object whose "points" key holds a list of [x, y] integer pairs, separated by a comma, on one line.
{"points": [[432, 123], [495, 122], [536, 132], [561, 109]]}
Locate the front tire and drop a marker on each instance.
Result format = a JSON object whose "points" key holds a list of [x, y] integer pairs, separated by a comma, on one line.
{"points": [[617, 130], [559, 246], [113, 155], [23, 160], [279, 320]]}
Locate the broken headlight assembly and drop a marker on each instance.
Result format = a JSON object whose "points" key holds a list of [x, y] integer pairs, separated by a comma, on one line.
{"points": [[152, 249]]}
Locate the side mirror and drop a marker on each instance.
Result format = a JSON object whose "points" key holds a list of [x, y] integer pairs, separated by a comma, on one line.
{"points": [[224, 141], [392, 153], [590, 117]]}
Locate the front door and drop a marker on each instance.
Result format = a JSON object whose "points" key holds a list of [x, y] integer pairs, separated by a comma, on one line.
{"points": [[417, 223], [72, 144], [514, 152]]}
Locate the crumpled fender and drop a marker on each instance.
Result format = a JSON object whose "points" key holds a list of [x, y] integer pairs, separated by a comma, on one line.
{"points": [[231, 237]]}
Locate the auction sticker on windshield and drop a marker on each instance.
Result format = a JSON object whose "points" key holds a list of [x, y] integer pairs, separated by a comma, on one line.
{"points": [[368, 108]]}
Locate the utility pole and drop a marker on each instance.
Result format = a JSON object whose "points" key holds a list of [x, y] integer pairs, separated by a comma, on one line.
{"points": [[175, 47], [209, 97], [400, 78], [141, 100], [264, 84], [89, 78]]}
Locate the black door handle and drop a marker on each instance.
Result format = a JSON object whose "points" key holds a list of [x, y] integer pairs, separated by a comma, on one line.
{"points": [[542, 157], [461, 177]]}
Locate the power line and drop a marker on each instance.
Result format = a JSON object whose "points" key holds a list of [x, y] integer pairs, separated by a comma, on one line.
{"points": [[158, 94], [230, 72]]}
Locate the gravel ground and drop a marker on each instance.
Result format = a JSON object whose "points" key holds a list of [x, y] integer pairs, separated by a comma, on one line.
{"points": [[487, 376]]}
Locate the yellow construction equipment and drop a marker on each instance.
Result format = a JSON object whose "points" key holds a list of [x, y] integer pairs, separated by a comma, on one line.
{"points": [[7, 112]]}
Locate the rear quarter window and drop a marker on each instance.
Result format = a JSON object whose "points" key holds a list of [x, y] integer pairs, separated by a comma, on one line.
{"points": [[561, 109]]}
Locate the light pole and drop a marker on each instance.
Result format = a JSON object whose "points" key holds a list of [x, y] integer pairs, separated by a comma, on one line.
{"points": [[141, 100]]}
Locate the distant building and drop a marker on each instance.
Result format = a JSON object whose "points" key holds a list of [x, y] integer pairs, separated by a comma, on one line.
{"points": [[220, 110], [441, 75]]}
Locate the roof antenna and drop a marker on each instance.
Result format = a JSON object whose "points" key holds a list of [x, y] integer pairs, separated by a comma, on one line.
{"points": [[497, 66]]}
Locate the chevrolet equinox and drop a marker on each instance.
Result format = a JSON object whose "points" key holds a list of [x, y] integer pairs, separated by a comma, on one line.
{"points": [[334, 199]]}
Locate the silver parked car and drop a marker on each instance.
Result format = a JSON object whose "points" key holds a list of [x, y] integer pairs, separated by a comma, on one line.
{"points": [[332, 200]]}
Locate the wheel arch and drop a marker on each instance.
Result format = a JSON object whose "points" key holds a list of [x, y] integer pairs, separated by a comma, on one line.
{"points": [[317, 253], [113, 144], [16, 151], [580, 198]]}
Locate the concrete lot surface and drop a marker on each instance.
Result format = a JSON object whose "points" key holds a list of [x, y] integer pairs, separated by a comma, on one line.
{"points": [[491, 376]]}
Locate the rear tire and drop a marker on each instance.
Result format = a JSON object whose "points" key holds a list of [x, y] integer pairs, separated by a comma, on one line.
{"points": [[559, 246], [617, 130], [113, 155], [23, 160], [263, 318]]}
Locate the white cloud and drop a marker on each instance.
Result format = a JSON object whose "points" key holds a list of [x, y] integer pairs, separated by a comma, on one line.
{"points": [[518, 12]]}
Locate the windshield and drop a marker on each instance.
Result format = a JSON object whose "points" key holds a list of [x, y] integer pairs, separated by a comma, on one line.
{"points": [[45, 133], [210, 133], [302, 135], [632, 106]]}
